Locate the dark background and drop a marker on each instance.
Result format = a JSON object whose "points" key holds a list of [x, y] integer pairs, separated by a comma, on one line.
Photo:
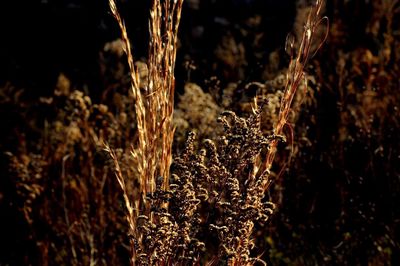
{"points": [[40, 39]]}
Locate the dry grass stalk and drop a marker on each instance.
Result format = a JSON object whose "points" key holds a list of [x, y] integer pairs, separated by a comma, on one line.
{"points": [[153, 106], [132, 211], [295, 75]]}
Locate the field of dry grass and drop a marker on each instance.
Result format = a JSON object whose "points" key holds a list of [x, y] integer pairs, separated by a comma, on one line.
{"points": [[244, 133]]}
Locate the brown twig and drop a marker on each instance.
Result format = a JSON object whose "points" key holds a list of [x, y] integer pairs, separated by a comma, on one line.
{"points": [[294, 76]]}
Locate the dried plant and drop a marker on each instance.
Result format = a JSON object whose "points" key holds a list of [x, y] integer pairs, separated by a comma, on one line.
{"points": [[196, 111], [61, 204], [28, 178], [296, 73], [219, 179], [230, 175], [154, 105], [229, 170]]}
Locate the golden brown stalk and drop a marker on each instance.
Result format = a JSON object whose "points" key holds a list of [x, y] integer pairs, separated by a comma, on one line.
{"points": [[139, 103], [154, 106], [294, 76], [164, 22], [132, 212]]}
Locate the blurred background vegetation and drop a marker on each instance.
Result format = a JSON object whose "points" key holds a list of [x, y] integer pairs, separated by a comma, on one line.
{"points": [[64, 89]]}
